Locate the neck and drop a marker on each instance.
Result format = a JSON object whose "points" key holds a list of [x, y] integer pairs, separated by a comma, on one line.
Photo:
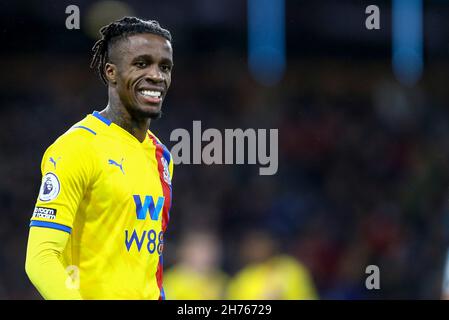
{"points": [[117, 113]]}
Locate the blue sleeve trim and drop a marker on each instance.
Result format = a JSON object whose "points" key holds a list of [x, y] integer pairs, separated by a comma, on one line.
{"points": [[96, 114], [51, 225], [85, 128]]}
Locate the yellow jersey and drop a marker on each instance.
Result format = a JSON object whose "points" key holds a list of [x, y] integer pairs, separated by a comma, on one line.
{"points": [[112, 194]]}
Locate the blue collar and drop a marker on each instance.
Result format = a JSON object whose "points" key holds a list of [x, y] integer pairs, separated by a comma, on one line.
{"points": [[96, 114]]}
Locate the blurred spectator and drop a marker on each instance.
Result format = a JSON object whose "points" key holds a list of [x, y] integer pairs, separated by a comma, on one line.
{"points": [[268, 274], [445, 282], [196, 276]]}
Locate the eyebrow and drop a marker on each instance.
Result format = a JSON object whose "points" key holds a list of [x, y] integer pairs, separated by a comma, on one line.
{"points": [[150, 57]]}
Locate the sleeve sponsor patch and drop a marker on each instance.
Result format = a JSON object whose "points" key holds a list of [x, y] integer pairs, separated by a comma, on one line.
{"points": [[44, 213], [50, 187]]}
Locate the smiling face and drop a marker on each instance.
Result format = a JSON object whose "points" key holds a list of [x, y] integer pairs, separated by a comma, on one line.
{"points": [[140, 72]]}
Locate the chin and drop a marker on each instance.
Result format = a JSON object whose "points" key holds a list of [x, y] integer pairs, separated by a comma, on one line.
{"points": [[152, 112], [155, 115], [141, 110]]}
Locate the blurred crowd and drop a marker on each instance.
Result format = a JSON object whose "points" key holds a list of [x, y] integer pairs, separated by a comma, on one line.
{"points": [[363, 173]]}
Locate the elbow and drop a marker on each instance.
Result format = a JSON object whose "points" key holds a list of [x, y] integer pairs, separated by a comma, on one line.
{"points": [[33, 266], [29, 268]]}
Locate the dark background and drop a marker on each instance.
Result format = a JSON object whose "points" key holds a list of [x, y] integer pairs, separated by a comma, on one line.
{"points": [[363, 159]]}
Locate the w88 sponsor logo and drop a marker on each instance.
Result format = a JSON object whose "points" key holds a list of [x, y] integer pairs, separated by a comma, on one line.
{"points": [[153, 241]]}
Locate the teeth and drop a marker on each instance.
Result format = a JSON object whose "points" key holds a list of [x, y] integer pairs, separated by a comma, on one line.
{"points": [[154, 94]]}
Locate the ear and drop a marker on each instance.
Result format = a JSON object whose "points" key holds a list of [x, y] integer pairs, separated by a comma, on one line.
{"points": [[110, 71]]}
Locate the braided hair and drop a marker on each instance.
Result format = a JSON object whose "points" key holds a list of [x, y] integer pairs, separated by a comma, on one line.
{"points": [[117, 30]]}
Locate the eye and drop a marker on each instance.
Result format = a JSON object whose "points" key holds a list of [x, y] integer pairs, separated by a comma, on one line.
{"points": [[166, 68], [140, 64]]}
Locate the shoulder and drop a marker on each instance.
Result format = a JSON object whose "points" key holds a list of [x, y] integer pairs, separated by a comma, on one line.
{"points": [[75, 147], [78, 137]]}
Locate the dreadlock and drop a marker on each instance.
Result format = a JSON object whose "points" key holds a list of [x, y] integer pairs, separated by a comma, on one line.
{"points": [[120, 29]]}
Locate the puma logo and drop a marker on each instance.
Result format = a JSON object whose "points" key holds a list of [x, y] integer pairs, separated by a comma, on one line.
{"points": [[117, 164]]}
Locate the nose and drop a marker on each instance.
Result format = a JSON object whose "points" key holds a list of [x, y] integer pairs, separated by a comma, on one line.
{"points": [[154, 74]]}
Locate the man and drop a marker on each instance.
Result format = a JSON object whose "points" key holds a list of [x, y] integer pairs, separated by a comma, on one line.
{"points": [[105, 197]]}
